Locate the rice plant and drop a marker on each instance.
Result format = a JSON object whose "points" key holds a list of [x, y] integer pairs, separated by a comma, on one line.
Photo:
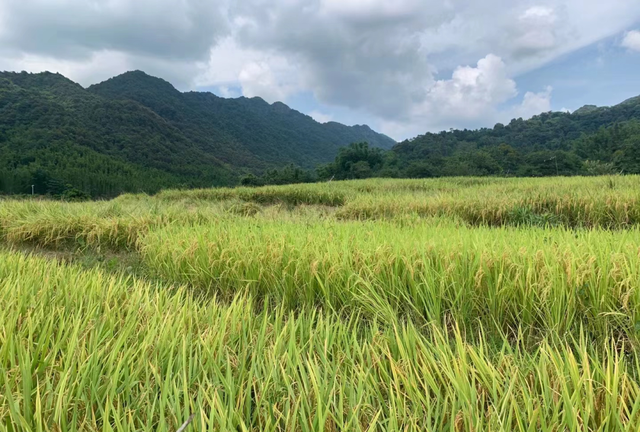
{"points": [[459, 304], [81, 350], [552, 280]]}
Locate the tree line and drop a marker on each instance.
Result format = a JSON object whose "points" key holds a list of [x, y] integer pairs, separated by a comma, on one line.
{"points": [[590, 141], [610, 150]]}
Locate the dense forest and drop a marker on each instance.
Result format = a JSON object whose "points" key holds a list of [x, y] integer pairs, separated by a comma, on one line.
{"points": [[590, 141], [137, 133]]}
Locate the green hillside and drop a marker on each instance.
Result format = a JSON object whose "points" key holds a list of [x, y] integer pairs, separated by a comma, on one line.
{"points": [[590, 140], [137, 133], [241, 132]]}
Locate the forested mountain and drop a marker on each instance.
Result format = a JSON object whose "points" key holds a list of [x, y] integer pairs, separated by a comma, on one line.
{"points": [[261, 134], [592, 140], [135, 133], [589, 140], [138, 133]]}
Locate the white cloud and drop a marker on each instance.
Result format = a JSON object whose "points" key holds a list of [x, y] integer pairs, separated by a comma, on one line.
{"points": [[536, 13], [471, 98], [471, 90], [533, 104], [258, 73], [226, 91], [526, 34], [632, 40], [536, 31], [321, 117], [263, 79], [224, 63]]}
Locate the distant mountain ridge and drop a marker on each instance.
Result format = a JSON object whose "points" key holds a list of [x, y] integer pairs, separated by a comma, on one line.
{"points": [[135, 132], [263, 133], [590, 140]]}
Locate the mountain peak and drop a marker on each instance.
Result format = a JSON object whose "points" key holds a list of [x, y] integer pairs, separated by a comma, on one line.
{"points": [[586, 109], [280, 106], [363, 127], [132, 82], [41, 80]]}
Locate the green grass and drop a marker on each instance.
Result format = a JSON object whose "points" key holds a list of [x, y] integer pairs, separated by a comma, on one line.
{"points": [[381, 305]]}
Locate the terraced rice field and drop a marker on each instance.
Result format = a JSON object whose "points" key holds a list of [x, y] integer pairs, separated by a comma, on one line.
{"points": [[464, 304]]}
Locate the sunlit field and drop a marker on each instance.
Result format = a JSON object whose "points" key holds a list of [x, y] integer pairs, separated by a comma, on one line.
{"points": [[461, 304]]}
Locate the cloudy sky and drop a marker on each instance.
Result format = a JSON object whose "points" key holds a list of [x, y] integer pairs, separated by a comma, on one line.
{"points": [[402, 66]]}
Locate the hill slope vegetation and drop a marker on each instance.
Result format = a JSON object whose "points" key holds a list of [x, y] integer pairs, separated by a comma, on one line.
{"points": [[138, 133], [591, 140]]}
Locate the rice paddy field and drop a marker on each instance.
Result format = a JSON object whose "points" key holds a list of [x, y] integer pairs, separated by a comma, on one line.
{"points": [[461, 304]]}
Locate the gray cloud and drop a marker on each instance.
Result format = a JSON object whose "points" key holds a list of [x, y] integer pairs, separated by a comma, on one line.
{"points": [[351, 53], [183, 30], [380, 57], [410, 64]]}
